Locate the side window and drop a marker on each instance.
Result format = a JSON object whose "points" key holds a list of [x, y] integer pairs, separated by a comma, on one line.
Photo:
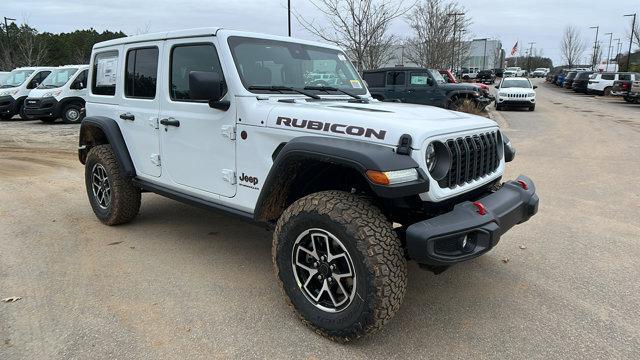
{"points": [[419, 80], [141, 73], [395, 78], [81, 81], [37, 80], [187, 58], [608, 76], [105, 68], [375, 79]]}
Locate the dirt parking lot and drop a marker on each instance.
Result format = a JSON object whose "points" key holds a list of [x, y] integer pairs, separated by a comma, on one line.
{"points": [[181, 282]]}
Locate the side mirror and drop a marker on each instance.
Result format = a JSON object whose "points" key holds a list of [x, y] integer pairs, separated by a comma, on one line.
{"points": [[535, 86], [207, 85], [497, 86]]}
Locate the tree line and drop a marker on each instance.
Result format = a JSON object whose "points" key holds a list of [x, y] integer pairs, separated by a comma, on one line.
{"points": [[22, 45]]}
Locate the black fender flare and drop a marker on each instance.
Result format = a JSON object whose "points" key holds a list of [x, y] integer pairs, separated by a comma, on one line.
{"points": [[67, 100], [99, 130], [357, 155]]}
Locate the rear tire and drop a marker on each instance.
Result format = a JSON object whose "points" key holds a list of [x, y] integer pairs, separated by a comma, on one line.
{"points": [[71, 114], [113, 197], [607, 91], [362, 243]]}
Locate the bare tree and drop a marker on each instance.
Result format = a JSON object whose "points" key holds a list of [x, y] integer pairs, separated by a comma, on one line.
{"points": [[434, 42], [29, 49], [572, 45], [358, 26]]}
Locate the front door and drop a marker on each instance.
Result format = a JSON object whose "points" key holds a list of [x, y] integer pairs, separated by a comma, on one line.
{"points": [[140, 105], [419, 89], [198, 150], [396, 86]]}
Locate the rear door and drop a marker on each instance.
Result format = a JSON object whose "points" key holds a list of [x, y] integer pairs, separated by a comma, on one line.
{"points": [[140, 105]]}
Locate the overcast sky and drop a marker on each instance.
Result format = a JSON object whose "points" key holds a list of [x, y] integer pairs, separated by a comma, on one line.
{"points": [[540, 21]]}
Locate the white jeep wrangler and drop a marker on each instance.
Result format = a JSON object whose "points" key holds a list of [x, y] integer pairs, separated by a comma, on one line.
{"points": [[353, 187]]}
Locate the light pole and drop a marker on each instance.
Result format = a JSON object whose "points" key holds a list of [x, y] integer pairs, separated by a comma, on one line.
{"points": [[530, 51], [289, 15], [455, 28], [609, 49], [618, 50], [595, 44], [633, 27]]}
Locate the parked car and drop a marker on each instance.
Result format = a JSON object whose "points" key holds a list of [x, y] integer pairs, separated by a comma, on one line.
{"points": [[551, 76], [581, 81], [232, 126], [514, 71], [516, 92], [3, 75], [15, 88], [61, 95], [602, 83], [559, 80], [499, 72], [469, 74], [622, 86], [451, 79], [486, 77], [634, 93], [421, 86], [540, 72], [568, 80]]}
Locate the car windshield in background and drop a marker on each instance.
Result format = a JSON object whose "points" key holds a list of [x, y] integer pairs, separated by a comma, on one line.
{"points": [[57, 78], [271, 63], [520, 83], [436, 75], [16, 78]]}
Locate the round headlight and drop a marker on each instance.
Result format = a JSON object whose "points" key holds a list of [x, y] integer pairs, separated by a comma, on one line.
{"points": [[431, 157]]}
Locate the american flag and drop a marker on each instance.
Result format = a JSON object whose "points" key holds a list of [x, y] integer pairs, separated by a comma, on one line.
{"points": [[514, 50]]}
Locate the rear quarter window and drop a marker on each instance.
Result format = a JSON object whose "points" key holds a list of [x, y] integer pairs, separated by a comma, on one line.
{"points": [[105, 70], [375, 79], [608, 76]]}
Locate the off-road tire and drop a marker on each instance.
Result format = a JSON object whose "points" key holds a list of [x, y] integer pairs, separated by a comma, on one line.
{"points": [[68, 113], [376, 251], [125, 197]]}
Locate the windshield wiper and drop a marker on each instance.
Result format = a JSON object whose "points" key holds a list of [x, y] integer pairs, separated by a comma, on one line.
{"points": [[284, 88], [331, 88]]}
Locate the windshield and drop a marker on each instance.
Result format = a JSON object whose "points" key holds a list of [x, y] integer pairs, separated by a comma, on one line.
{"points": [[16, 78], [516, 83], [263, 62], [57, 78], [437, 76]]}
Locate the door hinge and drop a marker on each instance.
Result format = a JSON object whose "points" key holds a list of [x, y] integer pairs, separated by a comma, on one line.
{"points": [[155, 159], [153, 122], [229, 176], [229, 131]]}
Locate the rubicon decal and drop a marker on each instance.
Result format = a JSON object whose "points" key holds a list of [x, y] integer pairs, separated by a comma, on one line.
{"points": [[334, 128]]}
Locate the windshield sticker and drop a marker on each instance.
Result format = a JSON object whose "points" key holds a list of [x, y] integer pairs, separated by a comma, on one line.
{"points": [[356, 84]]}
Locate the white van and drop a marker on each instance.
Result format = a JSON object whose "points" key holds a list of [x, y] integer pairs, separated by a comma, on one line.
{"points": [[3, 75], [61, 95], [15, 88]]}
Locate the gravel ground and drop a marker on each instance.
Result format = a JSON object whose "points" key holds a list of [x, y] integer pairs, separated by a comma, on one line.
{"points": [[180, 282]]}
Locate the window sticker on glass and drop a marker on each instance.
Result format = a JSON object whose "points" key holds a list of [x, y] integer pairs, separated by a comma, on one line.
{"points": [[419, 80], [356, 84], [106, 72]]}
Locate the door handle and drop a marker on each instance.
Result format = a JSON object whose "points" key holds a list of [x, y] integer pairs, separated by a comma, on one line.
{"points": [[170, 122], [127, 116]]}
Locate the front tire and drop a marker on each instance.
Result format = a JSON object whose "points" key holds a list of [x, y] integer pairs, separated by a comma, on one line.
{"points": [[340, 264], [23, 114], [72, 114], [113, 197]]}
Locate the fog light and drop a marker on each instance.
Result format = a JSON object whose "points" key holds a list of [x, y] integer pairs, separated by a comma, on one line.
{"points": [[468, 243]]}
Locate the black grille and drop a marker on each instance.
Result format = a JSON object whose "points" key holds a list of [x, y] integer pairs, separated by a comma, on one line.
{"points": [[471, 158]]}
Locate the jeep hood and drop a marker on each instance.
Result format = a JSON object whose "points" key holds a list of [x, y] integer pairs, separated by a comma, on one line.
{"points": [[379, 122]]}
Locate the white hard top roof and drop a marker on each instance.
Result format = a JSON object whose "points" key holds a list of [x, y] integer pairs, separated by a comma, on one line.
{"points": [[73, 66], [197, 32]]}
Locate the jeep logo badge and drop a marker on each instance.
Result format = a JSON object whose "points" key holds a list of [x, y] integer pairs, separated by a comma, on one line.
{"points": [[249, 179]]}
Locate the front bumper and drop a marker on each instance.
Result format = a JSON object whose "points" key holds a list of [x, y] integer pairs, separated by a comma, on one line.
{"points": [[8, 105], [518, 102], [619, 93], [42, 107], [439, 241]]}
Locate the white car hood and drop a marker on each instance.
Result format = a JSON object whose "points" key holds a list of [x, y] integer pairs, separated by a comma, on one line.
{"points": [[379, 122], [39, 93]]}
